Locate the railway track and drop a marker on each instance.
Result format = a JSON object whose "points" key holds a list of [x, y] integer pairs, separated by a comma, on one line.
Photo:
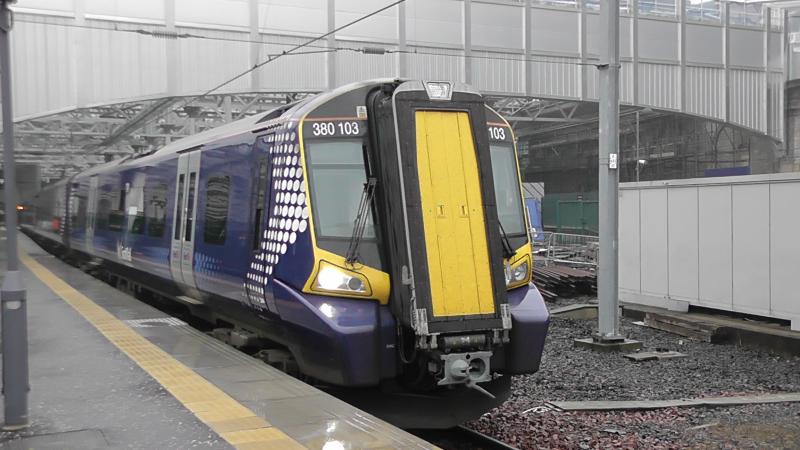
{"points": [[461, 438]]}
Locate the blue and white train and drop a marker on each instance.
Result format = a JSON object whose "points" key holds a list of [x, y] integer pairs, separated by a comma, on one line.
{"points": [[376, 232]]}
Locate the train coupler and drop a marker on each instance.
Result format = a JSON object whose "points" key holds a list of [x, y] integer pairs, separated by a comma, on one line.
{"points": [[466, 368]]}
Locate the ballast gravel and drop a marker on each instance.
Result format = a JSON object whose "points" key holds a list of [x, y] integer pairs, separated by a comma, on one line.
{"points": [[569, 373]]}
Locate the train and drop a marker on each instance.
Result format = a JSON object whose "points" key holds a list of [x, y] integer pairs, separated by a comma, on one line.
{"points": [[376, 233]]}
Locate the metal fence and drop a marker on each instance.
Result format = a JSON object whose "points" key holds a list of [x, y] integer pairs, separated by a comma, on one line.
{"points": [[570, 249]]}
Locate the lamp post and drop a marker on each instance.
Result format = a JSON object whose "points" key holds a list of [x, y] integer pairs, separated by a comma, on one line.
{"points": [[12, 293]]}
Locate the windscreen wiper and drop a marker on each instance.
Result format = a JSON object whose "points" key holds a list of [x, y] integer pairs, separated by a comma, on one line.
{"points": [[508, 251], [361, 220]]}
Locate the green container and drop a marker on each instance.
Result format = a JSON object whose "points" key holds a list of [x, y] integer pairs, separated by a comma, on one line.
{"points": [[570, 213]]}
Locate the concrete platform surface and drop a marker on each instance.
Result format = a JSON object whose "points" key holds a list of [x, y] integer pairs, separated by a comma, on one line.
{"points": [[108, 371]]}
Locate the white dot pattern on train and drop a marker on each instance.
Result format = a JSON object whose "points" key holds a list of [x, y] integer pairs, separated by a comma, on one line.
{"points": [[288, 215]]}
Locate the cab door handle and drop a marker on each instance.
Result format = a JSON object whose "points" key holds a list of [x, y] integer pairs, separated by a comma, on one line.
{"points": [[464, 211], [440, 210]]}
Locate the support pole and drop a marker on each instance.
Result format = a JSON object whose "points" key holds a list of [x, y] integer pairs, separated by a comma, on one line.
{"points": [[12, 293], [638, 164], [608, 277], [608, 337]]}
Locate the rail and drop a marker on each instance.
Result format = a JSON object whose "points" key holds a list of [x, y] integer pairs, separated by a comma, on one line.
{"points": [[461, 438]]}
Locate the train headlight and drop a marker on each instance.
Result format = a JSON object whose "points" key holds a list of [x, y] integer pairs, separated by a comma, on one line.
{"points": [[518, 273], [438, 90], [334, 279]]}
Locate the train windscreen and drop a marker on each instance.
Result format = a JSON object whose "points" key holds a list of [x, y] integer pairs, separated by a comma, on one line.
{"points": [[506, 189], [337, 176]]}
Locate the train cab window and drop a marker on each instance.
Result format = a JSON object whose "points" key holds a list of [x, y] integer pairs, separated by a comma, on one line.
{"points": [[216, 217], [337, 177], [156, 209], [506, 189]]}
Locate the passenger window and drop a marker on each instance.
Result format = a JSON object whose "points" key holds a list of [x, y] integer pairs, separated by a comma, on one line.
{"points": [[216, 216], [134, 205], [156, 209], [190, 208], [78, 218], [116, 218], [137, 226], [179, 207], [103, 208]]}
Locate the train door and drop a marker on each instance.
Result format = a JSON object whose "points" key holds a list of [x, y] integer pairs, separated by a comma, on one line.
{"points": [[185, 212], [91, 212], [453, 215], [260, 214]]}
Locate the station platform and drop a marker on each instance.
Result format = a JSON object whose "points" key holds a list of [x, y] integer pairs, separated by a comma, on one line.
{"points": [[108, 371]]}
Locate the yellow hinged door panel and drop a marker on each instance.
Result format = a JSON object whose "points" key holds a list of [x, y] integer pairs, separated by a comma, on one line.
{"points": [[452, 214]]}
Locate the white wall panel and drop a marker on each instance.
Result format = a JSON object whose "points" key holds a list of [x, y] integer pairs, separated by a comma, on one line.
{"points": [[380, 27], [351, 66], [629, 243], [497, 26], [45, 81], [714, 250], [747, 97], [436, 64], [123, 66], [785, 248], [750, 219], [291, 73], [592, 81], [775, 102], [658, 85], [293, 16], [705, 91], [140, 9], [704, 44], [626, 84], [682, 222], [658, 40], [747, 48], [435, 22], [554, 31], [229, 13], [594, 36], [653, 217], [731, 243], [48, 5], [206, 63], [775, 56], [505, 75], [555, 77]]}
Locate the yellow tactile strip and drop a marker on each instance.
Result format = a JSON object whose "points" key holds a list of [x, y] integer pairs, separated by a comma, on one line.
{"points": [[233, 421]]}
